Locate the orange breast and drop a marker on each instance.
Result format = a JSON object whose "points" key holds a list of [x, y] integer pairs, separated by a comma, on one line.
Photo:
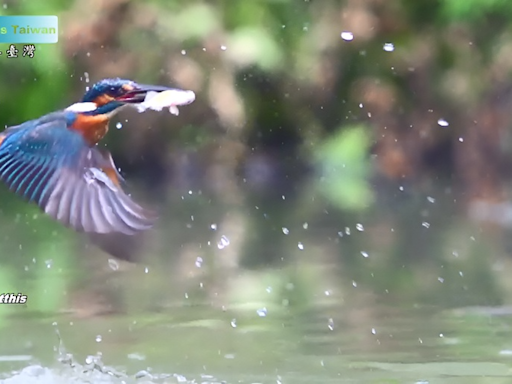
{"points": [[92, 128]]}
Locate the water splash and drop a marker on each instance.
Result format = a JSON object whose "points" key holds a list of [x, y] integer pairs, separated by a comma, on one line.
{"points": [[389, 47], [113, 264], [223, 242], [442, 123], [347, 36]]}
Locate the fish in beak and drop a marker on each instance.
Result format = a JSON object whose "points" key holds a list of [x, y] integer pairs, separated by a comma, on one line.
{"points": [[145, 97]]}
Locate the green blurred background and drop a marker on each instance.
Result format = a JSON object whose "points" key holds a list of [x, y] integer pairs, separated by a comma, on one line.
{"points": [[335, 204]]}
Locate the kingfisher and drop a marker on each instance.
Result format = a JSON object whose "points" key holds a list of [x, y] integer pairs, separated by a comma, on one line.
{"points": [[54, 162]]}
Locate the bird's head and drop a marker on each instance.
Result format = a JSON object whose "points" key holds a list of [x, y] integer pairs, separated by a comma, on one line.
{"points": [[107, 96]]}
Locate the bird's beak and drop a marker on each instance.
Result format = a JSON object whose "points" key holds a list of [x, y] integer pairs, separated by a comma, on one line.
{"points": [[139, 92]]}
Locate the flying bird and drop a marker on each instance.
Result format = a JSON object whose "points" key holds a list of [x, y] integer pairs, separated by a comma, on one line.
{"points": [[54, 161]]}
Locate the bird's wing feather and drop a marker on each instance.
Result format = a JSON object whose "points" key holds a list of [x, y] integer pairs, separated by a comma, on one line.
{"points": [[75, 184]]}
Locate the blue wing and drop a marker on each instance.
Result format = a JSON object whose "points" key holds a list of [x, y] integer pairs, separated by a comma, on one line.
{"points": [[78, 185]]}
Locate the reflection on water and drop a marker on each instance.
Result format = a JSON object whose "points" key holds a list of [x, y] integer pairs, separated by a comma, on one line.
{"points": [[275, 286]]}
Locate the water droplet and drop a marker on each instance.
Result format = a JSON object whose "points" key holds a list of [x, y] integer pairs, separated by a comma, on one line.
{"points": [[431, 199], [389, 47], [365, 254], [374, 331], [327, 293], [119, 125], [146, 270], [48, 263], [213, 227], [5, 6], [401, 188], [305, 225], [233, 323], [262, 312], [98, 338], [425, 224], [285, 230], [330, 324], [136, 356], [360, 105], [347, 36], [461, 139], [199, 262], [354, 284], [113, 264], [442, 123], [440, 279], [360, 227], [223, 47], [340, 234], [347, 231], [223, 242], [183, 52], [301, 246]]}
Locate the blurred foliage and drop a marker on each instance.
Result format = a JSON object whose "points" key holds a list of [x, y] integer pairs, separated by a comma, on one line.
{"points": [[473, 10], [345, 168]]}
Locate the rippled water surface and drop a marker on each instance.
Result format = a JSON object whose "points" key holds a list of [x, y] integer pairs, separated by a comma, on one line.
{"points": [[266, 288]]}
